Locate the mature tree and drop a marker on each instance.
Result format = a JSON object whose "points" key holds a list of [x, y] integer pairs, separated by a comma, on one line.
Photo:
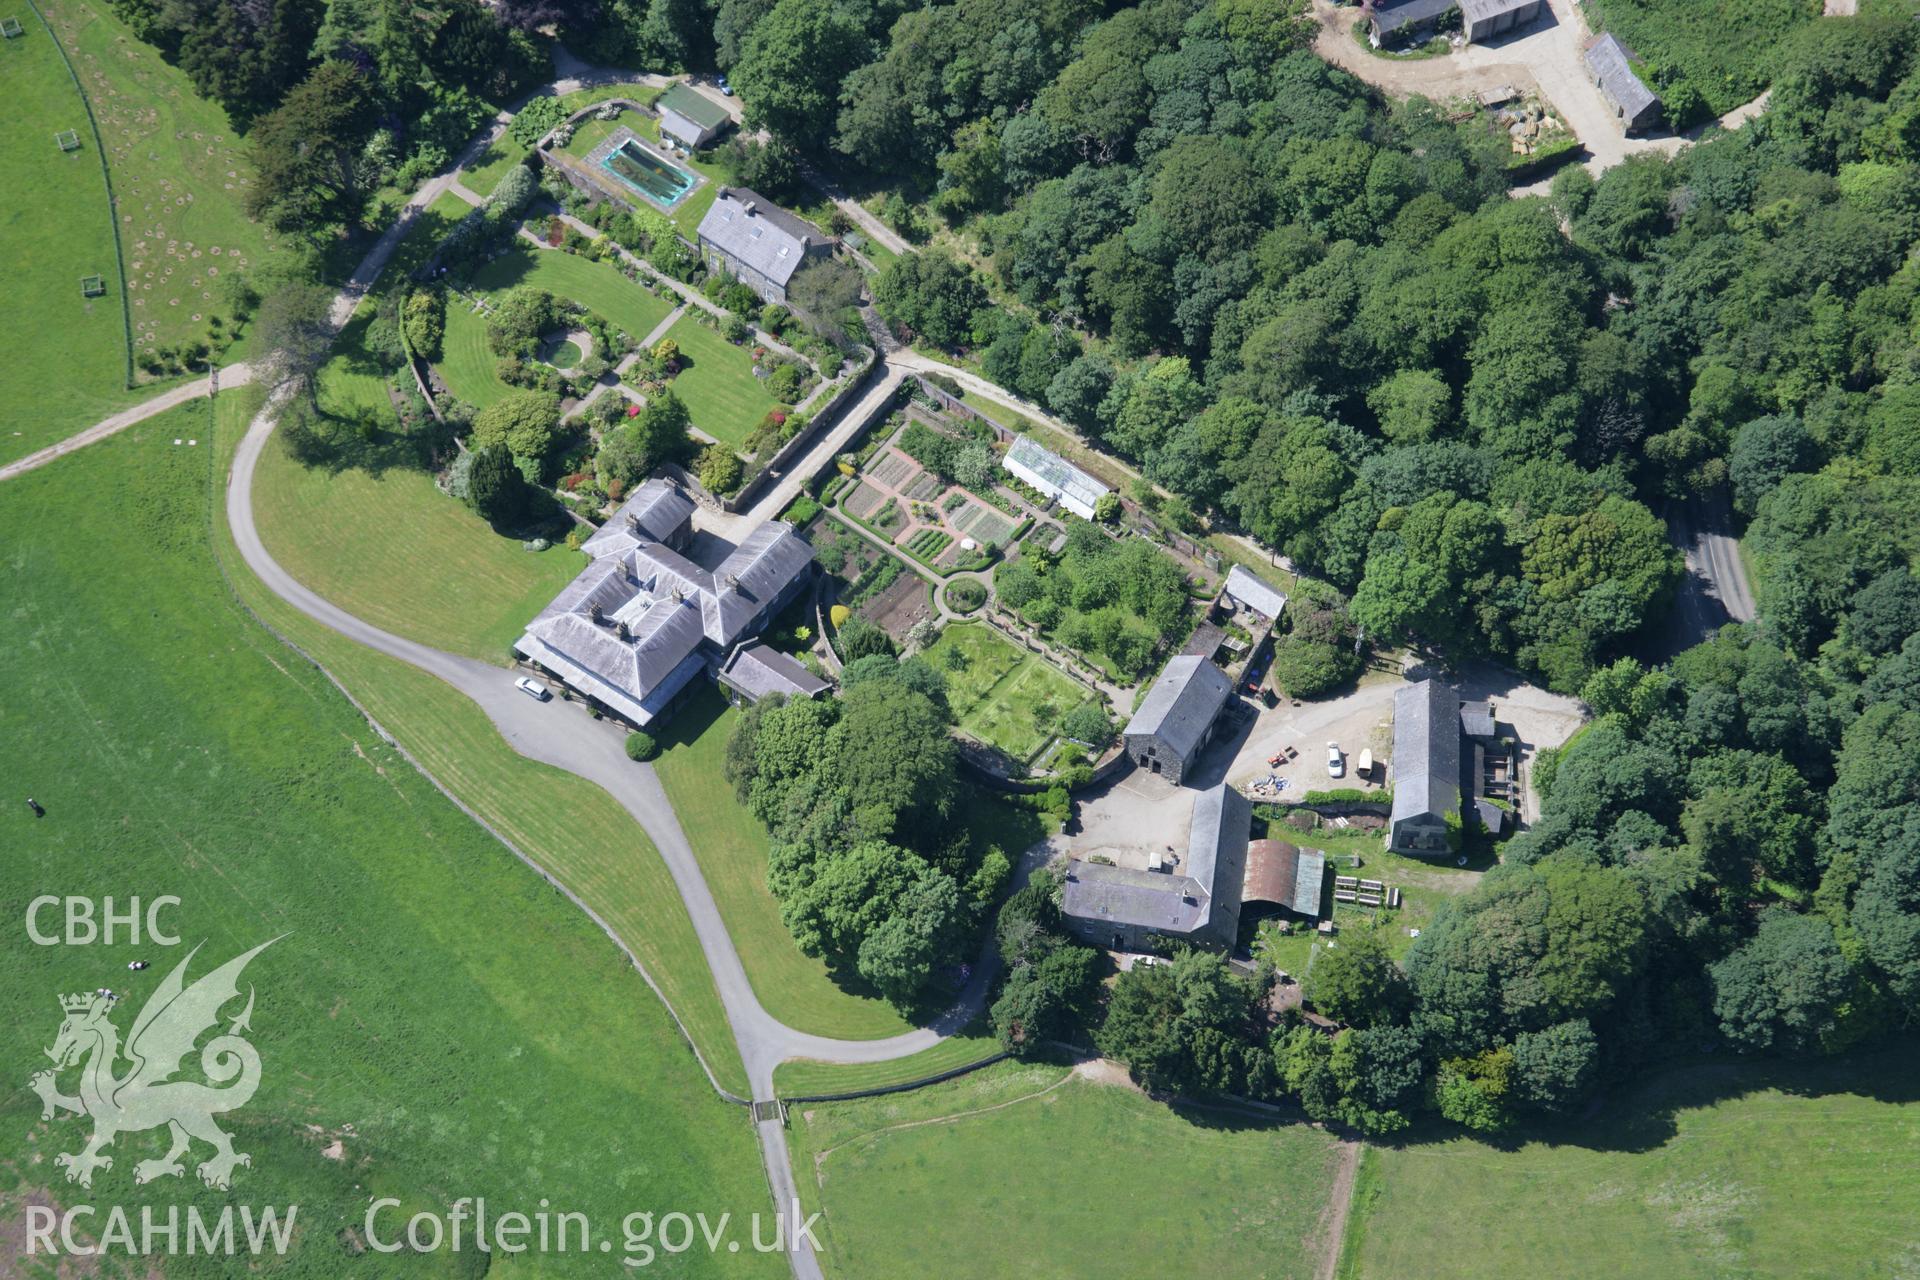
{"points": [[496, 489], [1783, 988], [292, 331], [523, 421], [891, 753], [1553, 1068], [1045, 999], [1764, 452], [930, 294], [790, 68], [305, 153], [1357, 982]]}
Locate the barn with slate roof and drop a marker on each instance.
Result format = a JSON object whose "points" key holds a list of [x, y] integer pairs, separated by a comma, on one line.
{"points": [[1178, 716]]}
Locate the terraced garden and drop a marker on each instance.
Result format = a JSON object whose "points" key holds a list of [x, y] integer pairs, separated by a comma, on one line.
{"points": [[717, 383]]}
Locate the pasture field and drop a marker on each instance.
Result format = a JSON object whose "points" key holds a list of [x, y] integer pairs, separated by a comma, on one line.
{"points": [[426, 992], [732, 848], [1726, 50], [1000, 693], [1723, 1168], [597, 286], [724, 398], [568, 825], [179, 174], [1025, 1170], [58, 229]]}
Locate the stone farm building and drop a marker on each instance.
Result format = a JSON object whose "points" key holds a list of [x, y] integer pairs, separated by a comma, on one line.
{"points": [[689, 117], [1479, 19], [1054, 476], [1195, 900], [1442, 749], [1612, 69], [1243, 588], [1178, 716], [656, 608], [757, 242]]}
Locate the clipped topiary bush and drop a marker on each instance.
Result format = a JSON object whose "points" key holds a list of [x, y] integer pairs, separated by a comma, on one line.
{"points": [[641, 746]]}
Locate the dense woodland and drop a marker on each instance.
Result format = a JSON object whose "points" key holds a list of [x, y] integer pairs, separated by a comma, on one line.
{"points": [[1319, 318]]}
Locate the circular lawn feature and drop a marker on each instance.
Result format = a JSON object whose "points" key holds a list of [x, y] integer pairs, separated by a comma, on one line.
{"points": [[964, 595]]}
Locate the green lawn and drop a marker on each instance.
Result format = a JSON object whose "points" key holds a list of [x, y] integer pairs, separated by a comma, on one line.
{"points": [[1022, 1174], [590, 133], [732, 849], [430, 227], [1725, 1168], [467, 364], [717, 383], [491, 165], [179, 173], [597, 286], [389, 547], [432, 1005], [996, 692], [57, 230], [805, 1076]]}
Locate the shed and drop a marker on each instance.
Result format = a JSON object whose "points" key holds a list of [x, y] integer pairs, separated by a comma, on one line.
{"points": [[1391, 23], [1255, 593], [690, 117], [1485, 19], [1286, 876], [1611, 67]]}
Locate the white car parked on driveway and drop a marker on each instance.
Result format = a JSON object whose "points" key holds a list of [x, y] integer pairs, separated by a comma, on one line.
{"points": [[532, 688], [1336, 763]]}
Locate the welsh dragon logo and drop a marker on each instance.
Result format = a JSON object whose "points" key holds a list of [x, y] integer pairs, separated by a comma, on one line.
{"points": [[145, 1097]]}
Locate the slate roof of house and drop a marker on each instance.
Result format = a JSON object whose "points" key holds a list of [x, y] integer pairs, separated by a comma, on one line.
{"points": [[1285, 875], [654, 513], [1609, 62], [684, 99], [752, 229], [1411, 13], [1473, 11], [1203, 895], [1256, 593], [758, 670], [667, 603], [1055, 470], [1182, 703], [1476, 720], [1426, 750]]}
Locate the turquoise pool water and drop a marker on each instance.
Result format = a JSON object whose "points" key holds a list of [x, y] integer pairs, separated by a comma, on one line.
{"points": [[646, 173]]}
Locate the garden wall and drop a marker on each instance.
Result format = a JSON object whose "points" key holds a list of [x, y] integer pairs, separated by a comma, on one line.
{"points": [[823, 419]]}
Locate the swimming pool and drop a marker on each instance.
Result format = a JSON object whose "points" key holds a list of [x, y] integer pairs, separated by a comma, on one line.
{"points": [[648, 174]]}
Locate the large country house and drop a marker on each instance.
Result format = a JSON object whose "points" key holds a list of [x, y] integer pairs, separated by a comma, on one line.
{"points": [[659, 606]]}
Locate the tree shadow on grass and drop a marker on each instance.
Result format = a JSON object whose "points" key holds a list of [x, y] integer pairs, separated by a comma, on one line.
{"points": [[1642, 1114], [360, 440]]}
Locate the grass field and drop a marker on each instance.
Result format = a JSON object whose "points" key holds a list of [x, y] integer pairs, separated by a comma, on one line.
{"points": [[58, 229], [1716, 1170], [567, 824], [1022, 1174], [431, 1004], [732, 848], [724, 398], [1726, 50], [597, 286], [805, 1076], [998, 692], [179, 172]]}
